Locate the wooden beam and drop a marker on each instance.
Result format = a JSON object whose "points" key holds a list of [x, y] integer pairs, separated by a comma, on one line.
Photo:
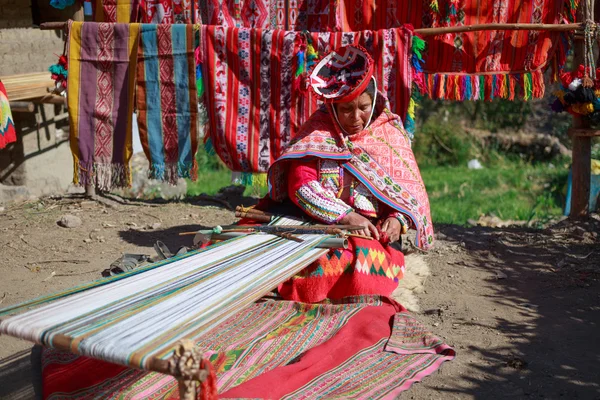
{"points": [[582, 147], [54, 99], [22, 106], [441, 30], [583, 132], [499, 27]]}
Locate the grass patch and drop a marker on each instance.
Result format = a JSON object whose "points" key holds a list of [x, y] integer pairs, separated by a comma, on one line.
{"points": [[508, 188], [512, 191]]}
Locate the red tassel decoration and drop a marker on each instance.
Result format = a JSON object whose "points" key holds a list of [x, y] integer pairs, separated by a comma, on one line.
{"points": [[488, 87], [511, 89], [450, 93]]}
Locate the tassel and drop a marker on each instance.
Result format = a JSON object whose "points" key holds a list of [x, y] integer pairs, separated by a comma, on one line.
{"points": [[527, 89], [481, 87], [434, 6], [476, 88], [436, 87], [488, 93], [450, 92], [418, 47], [539, 86], [468, 88], [442, 87], [199, 80], [458, 88], [511, 89]]}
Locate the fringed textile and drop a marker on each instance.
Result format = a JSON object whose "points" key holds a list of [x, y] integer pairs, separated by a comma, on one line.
{"points": [[292, 15], [167, 100], [254, 109], [8, 133], [493, 53], [101, 81], [117, 11], [357, 347], [169, 11], [458, 60]]}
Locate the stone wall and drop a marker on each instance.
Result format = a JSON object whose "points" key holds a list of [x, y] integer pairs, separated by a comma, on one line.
{"points": [[40, 162]]}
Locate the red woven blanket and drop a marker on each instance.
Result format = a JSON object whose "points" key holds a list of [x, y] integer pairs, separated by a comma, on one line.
{"points": [[256, 104]]}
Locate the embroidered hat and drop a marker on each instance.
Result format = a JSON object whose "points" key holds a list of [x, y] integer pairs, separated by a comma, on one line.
{"points": [[342, 75]]}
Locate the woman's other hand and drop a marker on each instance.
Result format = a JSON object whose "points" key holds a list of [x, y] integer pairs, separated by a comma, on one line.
{"points": [[392, 228], [356, 219]]}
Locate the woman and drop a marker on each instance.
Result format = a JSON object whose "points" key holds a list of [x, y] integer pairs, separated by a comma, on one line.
{"points": [[351, 163]]}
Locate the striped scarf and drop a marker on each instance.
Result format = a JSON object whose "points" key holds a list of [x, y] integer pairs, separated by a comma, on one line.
{"points": [[100, 96], [167, 100]]}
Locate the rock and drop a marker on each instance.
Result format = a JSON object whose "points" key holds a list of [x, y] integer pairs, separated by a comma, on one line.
{"points": [[69, 221], [501, 275], [155, 225], [87, 240]]}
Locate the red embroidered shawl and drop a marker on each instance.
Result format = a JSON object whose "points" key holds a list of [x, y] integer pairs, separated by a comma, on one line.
{"points": [[380, 157]]}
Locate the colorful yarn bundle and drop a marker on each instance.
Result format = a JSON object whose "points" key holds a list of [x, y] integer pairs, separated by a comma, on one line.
{"points": [[417, 48], [61, 4], [577, 99], [59, 73]]}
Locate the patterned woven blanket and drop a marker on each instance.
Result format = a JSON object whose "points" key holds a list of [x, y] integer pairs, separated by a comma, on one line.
{"points": [[167, 100], [358, 347], [7, 126], [256, 103], [461, 66], [101, 81], [122, 11]]}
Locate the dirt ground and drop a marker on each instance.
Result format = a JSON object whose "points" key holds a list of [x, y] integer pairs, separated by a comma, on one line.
{"points": [[521, 307]]}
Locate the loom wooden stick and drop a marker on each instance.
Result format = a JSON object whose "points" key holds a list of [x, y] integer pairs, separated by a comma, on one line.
{"points": [[359, 236], [255, 217], [329, 243], [289, 236]]}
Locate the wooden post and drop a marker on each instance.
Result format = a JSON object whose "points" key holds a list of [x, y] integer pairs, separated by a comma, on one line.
{"points": [[582, 148]]}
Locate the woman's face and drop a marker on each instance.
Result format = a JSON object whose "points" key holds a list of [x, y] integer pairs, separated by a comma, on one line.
{"points": [[354, 115]]}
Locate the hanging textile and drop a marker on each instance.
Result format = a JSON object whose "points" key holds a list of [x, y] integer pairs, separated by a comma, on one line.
{"points": [[461, 66], [358, 347], [267, 14], [256, 99], [101, 81], [121, 11], [170, 11], [167, 100], [473, 65], [7, 126]]}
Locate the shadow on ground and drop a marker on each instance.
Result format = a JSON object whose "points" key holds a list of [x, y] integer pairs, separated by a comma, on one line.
{"points": [[549, 280]]}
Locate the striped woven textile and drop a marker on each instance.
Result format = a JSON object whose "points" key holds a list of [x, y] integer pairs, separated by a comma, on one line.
{"points": [[461, 66], [169, 11], [141, 315], [101, 81], [255, 105], [121, 11], [8, 133], [358, 347], [167, 100]]}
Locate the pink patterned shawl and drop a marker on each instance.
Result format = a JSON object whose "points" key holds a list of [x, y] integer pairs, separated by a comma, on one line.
{"points": [[380, 157]]}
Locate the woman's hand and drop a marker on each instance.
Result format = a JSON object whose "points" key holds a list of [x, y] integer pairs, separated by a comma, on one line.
{"points": [[356, 219], [392, 228]]}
